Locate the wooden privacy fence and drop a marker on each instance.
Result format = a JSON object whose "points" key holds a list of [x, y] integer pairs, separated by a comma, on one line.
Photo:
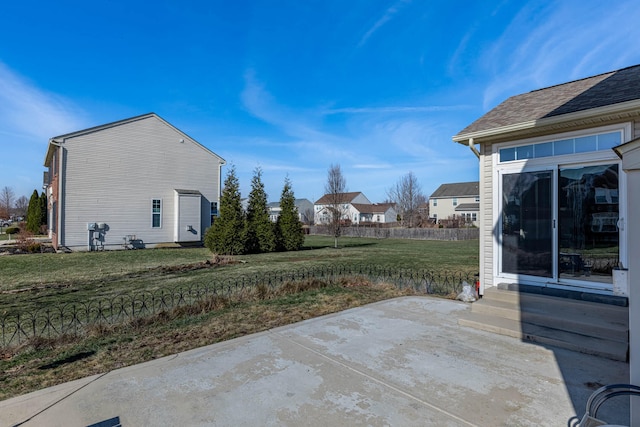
{"points": [[401, 233]]}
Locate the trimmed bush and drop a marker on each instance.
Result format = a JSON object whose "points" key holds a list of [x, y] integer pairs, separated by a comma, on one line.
{"points": [[12, 230]]}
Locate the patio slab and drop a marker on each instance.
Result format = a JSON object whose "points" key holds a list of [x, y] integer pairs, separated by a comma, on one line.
{"points": [[401, 362]]}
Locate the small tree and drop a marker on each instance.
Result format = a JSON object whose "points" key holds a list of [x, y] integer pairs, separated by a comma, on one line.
{"points": [[335, 190], [259, 232], [43, 210], [33, 213], [6, 202], [407, 195], [289, 232], [226, 234]]}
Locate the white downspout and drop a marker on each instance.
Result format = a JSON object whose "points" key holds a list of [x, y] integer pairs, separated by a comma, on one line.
{"points": [[473, 148]]}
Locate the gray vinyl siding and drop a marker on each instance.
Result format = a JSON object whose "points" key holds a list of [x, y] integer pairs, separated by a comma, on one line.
{"points": [[189, 211], [486, 217], [113, 174]]}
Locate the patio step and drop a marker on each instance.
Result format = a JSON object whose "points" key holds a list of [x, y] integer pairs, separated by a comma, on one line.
{"points": [[588, 327]]}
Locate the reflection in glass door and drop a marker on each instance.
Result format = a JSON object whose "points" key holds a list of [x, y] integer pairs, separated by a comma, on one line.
{"points": [[588, 212], [527, 235]]}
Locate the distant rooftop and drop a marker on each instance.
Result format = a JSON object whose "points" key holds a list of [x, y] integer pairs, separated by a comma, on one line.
{"points": [[457, 189]]}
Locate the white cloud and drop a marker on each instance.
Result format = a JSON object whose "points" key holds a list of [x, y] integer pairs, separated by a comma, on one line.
{"points": [[33, 114], [374, 145], [386, 17], [562, 41], [399, 109], [29, 116]]}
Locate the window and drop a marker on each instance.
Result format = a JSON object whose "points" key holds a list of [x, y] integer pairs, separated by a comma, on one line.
{"points": [[477, 199], [455, 201], [435, 202], [214, 211], [583, 144], [156, 213], [474, 217]]}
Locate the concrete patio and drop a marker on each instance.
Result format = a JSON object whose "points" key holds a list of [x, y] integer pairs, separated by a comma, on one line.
{"points": [[402, 362]]}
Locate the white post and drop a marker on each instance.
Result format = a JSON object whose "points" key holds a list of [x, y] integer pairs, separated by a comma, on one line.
{"points": [[630, 154], [633, 232]]}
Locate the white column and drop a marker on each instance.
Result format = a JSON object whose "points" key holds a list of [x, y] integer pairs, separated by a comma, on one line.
{"points": [[630, 153], [632, 224]]}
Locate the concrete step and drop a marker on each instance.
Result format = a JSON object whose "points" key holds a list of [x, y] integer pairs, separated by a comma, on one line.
{"points": [[574, 322], [584, 318], [564, 294], [547, 336], [617, 314]]}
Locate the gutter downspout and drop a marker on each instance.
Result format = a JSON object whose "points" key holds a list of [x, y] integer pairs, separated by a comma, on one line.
{"points": [[58, 213], [473, 148]]}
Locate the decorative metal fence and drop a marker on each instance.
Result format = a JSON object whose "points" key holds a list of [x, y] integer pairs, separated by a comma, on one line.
{"points": [[74, 318]]}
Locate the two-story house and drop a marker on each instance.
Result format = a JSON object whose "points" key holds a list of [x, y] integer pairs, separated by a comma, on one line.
{"points": [[138, 182], [343, 202], [456, 200]]}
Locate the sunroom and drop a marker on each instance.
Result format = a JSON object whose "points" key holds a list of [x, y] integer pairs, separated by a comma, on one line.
{"points": [[553, 205]]}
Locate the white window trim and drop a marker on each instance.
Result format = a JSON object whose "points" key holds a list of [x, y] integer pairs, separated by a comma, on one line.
{"points": [[153, 213], [553, 163], [625, 128]]}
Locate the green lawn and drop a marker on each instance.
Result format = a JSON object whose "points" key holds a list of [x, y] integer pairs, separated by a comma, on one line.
{"points": [[28, 282], [38, 280]]}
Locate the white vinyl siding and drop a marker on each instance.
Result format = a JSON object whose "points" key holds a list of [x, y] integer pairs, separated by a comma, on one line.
{"points": [[110, 174], [446, 208], [486, 217]]}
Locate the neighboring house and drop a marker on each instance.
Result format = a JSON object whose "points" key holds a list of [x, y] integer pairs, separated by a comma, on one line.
{"points": [[323, 206], [553, 211], [304, 206], [375, 213], [457, 200], [138, 182]]}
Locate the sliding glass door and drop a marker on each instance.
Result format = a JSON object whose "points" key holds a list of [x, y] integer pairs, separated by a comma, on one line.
{"points": [[527, 240], [560, 224], [588, 213]]}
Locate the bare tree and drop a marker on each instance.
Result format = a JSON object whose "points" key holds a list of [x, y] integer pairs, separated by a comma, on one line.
{"points": [[335, 190], [407, 196], [21, 206], [6, 202]]}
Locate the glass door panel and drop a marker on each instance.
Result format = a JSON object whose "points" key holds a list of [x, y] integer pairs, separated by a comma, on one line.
{"points": [[527, 234], [588, 212]]}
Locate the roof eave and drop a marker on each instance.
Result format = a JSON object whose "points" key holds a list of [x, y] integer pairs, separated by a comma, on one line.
{"points": [[592, 113]]}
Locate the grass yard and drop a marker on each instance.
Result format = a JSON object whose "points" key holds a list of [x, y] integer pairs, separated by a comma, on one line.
{"points": [[40, 280], [43, 280]]}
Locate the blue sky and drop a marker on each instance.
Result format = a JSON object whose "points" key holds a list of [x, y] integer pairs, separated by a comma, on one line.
{"points": [[378, 87]]}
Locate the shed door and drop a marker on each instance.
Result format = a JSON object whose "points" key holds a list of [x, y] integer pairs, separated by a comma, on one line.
{"points": [[188, 221]]}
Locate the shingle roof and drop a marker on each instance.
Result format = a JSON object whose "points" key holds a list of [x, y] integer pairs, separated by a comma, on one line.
{"points": [[468, 207], [458, 189], [372, 209], [344, 198], [592, 92]]}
